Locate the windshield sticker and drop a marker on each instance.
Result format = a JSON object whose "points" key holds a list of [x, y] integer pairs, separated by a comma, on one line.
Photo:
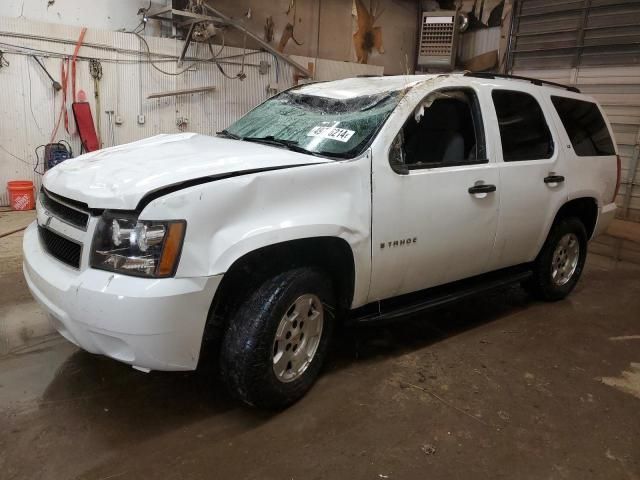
{"points": [[332, 133]]}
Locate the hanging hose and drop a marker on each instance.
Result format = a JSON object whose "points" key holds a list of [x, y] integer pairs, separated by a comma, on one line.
{"points": [[214, 58]]}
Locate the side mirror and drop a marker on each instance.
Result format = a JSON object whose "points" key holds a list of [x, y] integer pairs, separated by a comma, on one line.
{"points": [[396, 156], [400, 169]]}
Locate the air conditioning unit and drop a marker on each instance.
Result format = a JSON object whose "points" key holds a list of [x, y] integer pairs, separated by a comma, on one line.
{"points": [[438, 40]]}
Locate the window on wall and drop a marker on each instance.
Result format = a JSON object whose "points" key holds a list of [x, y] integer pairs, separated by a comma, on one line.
{"points": [[585, 127], [445, 129], [524, 131]]}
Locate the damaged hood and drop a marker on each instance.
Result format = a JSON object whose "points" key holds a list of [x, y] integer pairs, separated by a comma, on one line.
{"points": [[119, 177]]}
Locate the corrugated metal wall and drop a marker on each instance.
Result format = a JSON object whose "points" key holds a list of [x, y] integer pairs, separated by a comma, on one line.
{"points": [[477, 42], [29, 107], [594, 45]]}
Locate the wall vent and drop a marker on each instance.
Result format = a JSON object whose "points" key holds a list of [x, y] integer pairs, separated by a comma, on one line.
{"points": [[438, 40]]}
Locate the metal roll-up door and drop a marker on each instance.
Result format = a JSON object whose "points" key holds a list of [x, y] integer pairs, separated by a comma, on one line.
{"points": [[594, 45]]}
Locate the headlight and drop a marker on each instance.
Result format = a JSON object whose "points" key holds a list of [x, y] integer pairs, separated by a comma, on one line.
{"points": [[144, 248]]}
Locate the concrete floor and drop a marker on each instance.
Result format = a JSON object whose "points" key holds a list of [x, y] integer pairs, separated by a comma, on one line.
{"points": [[495, 387]]}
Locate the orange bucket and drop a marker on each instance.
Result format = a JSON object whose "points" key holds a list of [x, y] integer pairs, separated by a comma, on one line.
{"points": [[21, 196]]}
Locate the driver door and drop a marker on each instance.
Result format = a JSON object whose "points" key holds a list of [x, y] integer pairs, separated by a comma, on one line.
{"points": [[435, 194]]}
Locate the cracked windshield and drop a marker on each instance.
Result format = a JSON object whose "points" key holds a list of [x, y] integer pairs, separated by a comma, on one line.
{"points": [[338, 128]]}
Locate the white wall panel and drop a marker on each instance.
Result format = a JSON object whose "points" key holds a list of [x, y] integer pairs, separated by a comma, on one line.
{"points": [[124, 88], [107, 14]]}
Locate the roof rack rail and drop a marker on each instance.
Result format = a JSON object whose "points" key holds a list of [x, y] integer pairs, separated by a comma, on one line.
{"points": [[535, 81]]}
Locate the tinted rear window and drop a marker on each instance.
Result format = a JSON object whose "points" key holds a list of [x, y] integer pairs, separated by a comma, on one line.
{"points": [[585, 126], [523, 129]]}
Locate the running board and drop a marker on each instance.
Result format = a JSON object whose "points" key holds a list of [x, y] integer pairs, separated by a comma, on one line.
{"points": [[395, 308]]}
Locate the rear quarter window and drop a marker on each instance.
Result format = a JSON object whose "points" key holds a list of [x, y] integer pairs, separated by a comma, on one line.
{"points": [[585, 127]]}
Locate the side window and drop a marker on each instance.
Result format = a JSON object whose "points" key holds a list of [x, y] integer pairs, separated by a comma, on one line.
{"points": [[524, 131], [444, 130], [585, 126]]}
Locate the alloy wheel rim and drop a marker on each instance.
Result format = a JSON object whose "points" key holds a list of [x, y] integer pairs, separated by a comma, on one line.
{"points": [[297, 338], [565, 258]]}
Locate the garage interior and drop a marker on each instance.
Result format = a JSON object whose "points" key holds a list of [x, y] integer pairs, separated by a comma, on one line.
{"points": [[497, 386]]}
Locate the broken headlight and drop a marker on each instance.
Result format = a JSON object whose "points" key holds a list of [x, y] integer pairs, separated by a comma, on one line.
{"points": [[124, 244]]}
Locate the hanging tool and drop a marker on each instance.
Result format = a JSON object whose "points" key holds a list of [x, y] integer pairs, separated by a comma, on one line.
{"points": [[111, 129], [95, 70], [288, 32], [56, 85], [85, 126]]}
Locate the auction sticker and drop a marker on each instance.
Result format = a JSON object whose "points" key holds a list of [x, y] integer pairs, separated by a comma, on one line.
{"points": [[333, 133]]}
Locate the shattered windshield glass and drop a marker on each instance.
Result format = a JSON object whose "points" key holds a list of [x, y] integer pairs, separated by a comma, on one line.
{"points": [[340, 128]]}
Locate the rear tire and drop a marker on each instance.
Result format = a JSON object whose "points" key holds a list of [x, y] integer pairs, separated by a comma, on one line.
{"points": [[276, 343], [559, 264]]}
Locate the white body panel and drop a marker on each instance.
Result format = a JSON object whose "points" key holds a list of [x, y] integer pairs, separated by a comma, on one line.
{"points": [[275, 195], [158, 323], [118, 177], [454, 231], [241, 214], [527, 204], [151, 324], [593, 177]]}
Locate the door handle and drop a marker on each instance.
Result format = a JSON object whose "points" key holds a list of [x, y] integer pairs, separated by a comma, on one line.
{"points": [[484, 188], [554, 179]]}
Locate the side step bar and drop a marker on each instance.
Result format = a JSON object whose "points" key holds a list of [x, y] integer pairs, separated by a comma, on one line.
{"points": [[395, 308]]}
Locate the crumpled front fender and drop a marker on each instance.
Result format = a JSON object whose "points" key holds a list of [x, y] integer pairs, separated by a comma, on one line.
{"points": [[226, 219]]}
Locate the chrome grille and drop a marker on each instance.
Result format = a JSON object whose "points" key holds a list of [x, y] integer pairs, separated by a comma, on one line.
{"points": [[63, 249], [69, 211]]}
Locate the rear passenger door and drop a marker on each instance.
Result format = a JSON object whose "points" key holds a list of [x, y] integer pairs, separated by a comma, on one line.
{"points": [[532, 174]]}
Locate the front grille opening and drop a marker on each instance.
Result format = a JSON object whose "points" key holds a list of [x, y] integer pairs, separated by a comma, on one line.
{"points": [[61, 248], [63, 212]]}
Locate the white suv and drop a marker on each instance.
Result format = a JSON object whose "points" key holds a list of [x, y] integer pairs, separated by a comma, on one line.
{"points": [[359, 199]]}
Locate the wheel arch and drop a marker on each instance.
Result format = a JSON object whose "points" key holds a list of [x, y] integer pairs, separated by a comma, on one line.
{"points": [[331, 254], [583, 208]]}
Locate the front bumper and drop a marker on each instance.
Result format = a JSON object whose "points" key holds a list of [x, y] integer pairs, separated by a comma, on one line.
{"points": [[154, 324]]}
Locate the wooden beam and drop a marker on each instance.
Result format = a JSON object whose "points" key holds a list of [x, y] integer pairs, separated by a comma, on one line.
{"points": [[187, 41], [159, 15], [175, 93]]}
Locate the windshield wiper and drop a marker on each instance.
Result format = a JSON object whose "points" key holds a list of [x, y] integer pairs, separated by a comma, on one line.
{"points": [[280, 142], [271, 140], [228, 134], [290, 145]]}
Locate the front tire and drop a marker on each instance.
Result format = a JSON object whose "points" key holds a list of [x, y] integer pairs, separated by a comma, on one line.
{"points": [[559, 264], [276, 343]]}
